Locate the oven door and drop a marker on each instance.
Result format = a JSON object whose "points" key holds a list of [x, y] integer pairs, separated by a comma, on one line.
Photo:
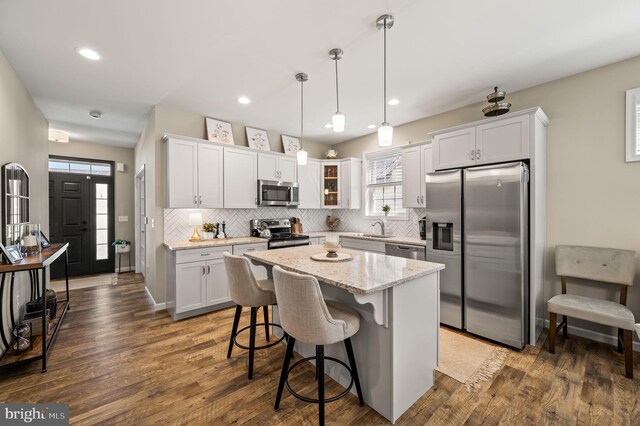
{"points": [[276, 244], [275, 193]]}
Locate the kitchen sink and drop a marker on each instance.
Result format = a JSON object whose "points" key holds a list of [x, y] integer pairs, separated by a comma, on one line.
{"points": [[374, 235]]}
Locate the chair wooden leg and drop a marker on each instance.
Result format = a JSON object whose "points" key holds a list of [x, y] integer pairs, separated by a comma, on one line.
{"points": [[565, 328], [552, 332], [252, 340], [265, 310], [628, 353], [285, 370], [620, 339], [320, 369], [234, 329], [354, 369]]}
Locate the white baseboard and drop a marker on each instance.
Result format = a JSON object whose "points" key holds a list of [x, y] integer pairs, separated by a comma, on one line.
{"points": [[595, 335], [125, 269], [158, 306]]}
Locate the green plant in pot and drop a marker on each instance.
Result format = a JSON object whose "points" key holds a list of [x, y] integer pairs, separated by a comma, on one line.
{"points": [[386, 209], [208, 230], [122, 246]]}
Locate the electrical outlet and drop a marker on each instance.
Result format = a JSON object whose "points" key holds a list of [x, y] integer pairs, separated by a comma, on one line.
{"points": [[123, 218]]}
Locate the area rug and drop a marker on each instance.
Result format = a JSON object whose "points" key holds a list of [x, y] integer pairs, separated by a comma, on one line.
{"points": [[85, 282], [468, 360]]}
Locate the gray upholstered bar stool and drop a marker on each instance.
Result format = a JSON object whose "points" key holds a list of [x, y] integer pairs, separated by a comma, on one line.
{"points": [[246, 291], [306, 316]]}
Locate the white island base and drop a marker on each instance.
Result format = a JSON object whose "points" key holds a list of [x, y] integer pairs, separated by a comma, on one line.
{"points": [[396, 348]]}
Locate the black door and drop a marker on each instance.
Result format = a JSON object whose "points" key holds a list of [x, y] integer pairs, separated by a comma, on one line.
{"points": [[81, 214]]}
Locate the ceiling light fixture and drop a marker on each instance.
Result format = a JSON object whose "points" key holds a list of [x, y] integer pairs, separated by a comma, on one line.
{"points": [[95, 114], [58, 136], [393, 102], [85, 52], [385, 131], [371, 126], [328, 126], [244, 100], [302, 154], [338, 117]]}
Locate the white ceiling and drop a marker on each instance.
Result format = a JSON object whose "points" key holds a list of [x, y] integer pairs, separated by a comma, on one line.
{"points": [[200, 55]]}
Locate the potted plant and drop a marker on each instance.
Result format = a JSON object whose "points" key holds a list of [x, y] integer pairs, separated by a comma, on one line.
{"points": [[386, 209], [122, 246], [207, 231]]}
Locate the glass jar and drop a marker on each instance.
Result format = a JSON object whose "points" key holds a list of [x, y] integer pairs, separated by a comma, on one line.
{"points": [[30, 239]]}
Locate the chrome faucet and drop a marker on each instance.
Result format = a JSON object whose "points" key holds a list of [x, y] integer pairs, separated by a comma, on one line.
{"points": [[381, 223]]}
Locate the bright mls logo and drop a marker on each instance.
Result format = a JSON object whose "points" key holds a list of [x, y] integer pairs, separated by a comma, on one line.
{"points": [[35, 414]]}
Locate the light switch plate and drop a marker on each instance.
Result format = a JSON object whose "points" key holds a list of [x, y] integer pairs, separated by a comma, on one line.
{"points": [[123, 218]]}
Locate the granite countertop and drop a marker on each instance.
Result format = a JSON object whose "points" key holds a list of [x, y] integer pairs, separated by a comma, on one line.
{"points": [[358, 235], [186, 245], [367, 273]]}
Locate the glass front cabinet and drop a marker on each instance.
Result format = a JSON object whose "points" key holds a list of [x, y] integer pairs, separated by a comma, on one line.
{"points": [[331, 185]]}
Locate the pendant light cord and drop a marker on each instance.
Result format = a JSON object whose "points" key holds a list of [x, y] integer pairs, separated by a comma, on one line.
{"points": [[301, 111], [385, 70], [337, 96]]}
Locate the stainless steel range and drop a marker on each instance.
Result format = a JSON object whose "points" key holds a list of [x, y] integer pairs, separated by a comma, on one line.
{"points": [[278, 232]]}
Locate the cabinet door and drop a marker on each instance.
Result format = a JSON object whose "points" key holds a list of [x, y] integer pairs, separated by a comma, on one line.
{"points": [[190, 290], [503, 140], [411, 172], [331, 185], [427, 167], [344, 191], [288, 167], [259, 272], [355, 179], [210, 168], [268, 167], [454, 149], [309, 185], [217, 283], [240, 178], [182, 174]]}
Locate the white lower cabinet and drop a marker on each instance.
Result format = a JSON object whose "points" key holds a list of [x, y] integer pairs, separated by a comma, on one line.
{"points": [[260, 272]]}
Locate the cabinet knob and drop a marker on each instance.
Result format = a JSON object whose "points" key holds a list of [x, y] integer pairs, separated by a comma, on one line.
{"points": [[418, 199], [195, 199], [208, 269], [477, 154], [473, 152], [422, 199], [203, 270]]}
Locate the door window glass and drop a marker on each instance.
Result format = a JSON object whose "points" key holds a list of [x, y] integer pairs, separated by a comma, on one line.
{"points": [[102, 220]]}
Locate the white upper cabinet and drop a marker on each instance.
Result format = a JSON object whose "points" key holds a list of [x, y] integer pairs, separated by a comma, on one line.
{"points": [[309, 185], [277, 167], [350, 184], [416, 162], [210, 175], [503, 140], [194, 174], [495, 140], [240, 178]]}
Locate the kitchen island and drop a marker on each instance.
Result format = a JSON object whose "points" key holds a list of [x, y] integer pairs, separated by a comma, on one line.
{"points": [[396, 347]]}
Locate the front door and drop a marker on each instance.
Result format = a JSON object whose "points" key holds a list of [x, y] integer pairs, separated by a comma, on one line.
{"points": [[81, 214]]}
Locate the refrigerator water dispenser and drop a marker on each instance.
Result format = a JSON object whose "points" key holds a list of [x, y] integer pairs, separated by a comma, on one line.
{"points": [[443, 236]]}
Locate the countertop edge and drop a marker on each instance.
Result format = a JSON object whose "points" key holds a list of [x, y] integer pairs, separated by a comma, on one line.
{"points": [[233, 241]]}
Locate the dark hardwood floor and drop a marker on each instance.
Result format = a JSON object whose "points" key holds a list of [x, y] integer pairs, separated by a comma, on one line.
{"points": [[117, 361]]}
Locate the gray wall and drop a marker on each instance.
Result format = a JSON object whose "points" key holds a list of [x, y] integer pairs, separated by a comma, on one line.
{"points": [[124, 182], [24, 141], [592, 193]]}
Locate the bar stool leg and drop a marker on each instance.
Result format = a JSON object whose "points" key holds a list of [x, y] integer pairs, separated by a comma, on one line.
{"points": [[285, 370], [265, 310], [234, 330], [252, 340], [320, 373], [354, 369]]}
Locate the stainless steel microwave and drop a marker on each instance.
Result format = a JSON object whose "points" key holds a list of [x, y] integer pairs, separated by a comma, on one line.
{"points": [[276, 193]]}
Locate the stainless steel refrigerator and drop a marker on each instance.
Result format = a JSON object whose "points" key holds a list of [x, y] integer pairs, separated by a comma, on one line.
{"points": [[478, 226]]}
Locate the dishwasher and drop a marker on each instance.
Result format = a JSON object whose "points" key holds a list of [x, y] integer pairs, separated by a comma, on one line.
{"points": [[406, 251]]}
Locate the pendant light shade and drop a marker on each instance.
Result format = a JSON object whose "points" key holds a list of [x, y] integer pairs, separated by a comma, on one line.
{"points": [[385, 131], [301, 155], [338, 118]]}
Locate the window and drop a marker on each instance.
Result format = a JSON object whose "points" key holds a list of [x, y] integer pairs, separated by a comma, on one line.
{"points": [[384, 184], [59, 165], [102, 221], [633, 125]]}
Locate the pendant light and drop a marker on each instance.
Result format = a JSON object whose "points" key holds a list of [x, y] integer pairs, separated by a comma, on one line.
{"points": [[385, 131], [338, 118], [302, 154]]}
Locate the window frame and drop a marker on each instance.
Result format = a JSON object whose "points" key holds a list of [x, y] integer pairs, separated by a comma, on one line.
{"points": [[366, 186], [632, 134]]}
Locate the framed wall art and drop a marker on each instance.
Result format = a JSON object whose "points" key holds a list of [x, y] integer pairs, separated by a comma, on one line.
{"points": [[219, 131], [290, 144], [258, 139]]}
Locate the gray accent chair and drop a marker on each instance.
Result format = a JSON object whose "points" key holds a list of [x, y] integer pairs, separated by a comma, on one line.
{"points": [[596, 264], [246, 291], [306, 316]]}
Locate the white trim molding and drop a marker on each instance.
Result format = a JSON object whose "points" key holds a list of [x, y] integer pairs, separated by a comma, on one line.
{"points": [[632, 118], [157, 306], [593, 335]]}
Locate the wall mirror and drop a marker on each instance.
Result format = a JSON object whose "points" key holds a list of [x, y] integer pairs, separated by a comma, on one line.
{"points": [[633, 125], [15, 197]]}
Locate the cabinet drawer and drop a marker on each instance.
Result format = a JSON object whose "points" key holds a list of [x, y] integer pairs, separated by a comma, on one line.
{"points": [[197, 255], [239, 250], [357, 244]]}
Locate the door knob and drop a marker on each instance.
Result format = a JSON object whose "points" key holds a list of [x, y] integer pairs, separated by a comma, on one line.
{"points": [[84, 229]]}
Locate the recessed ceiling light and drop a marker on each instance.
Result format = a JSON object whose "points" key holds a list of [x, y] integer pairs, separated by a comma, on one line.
{"points": [[95, 114], [58, 136], [244, 100], [394, 102], [371, 126], [88, 53], [328, 126]]}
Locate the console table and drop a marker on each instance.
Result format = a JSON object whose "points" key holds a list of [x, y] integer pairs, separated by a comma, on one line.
{"points": [[36, 266]]}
